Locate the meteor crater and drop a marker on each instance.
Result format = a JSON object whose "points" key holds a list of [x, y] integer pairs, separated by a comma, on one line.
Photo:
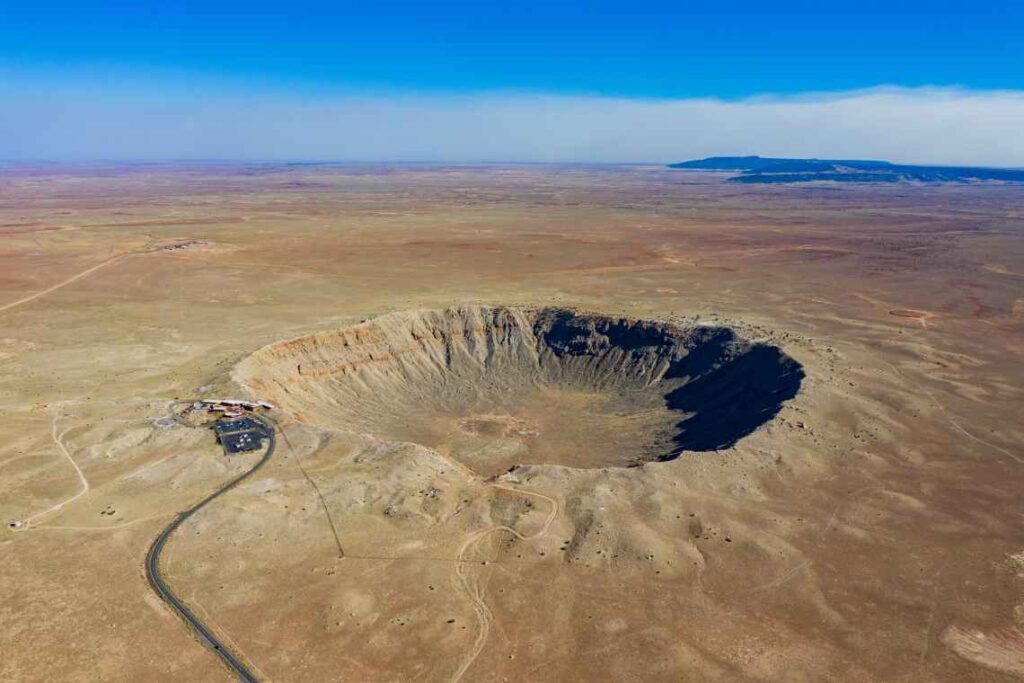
{"points": [[493, 387]]}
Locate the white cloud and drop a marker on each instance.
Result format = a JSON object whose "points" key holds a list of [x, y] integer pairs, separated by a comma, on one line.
{"points": [[924, 125]]}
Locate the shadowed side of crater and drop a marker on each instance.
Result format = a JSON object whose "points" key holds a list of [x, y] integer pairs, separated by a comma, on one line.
{"points": [[496, 387], [732, 395]]}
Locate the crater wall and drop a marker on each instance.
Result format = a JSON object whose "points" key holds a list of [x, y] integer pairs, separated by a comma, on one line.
{"points": [[495, 386]]}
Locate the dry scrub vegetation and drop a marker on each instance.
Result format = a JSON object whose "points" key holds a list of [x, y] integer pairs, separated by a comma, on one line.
{"points": [[536, 424]]}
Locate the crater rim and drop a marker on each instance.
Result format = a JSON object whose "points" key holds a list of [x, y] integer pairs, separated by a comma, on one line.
{"points": [[695, 387]]}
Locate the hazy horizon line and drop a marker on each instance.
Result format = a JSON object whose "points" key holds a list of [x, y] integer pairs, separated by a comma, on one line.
{"points": [[75, 121], [439, 162]]}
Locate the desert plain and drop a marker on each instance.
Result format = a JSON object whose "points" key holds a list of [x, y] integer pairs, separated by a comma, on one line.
{"points": [[869, 528]]}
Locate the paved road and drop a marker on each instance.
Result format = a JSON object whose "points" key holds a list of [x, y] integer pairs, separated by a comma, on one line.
{"points": [[206, 637]]}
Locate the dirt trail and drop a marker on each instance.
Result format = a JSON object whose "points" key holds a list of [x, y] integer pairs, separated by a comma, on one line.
{"points": [[953, 422], [64, 283], [58, 439], [475, 590]]}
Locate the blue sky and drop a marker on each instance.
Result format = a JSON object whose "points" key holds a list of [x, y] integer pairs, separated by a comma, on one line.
{"points": [[71, 73], [642, 48]]}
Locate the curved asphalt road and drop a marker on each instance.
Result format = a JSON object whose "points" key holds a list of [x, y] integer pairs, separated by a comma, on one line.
{"points": [[156, 581]]}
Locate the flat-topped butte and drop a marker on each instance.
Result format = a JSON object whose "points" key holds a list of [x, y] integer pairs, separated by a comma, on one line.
{"points": [[756, 169]]}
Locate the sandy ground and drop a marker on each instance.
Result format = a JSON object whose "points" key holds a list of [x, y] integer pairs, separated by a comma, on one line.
{"points": [[870, 532]]}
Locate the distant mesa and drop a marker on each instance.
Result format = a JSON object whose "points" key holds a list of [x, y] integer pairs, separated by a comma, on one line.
{"points": [[755, 169]]}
